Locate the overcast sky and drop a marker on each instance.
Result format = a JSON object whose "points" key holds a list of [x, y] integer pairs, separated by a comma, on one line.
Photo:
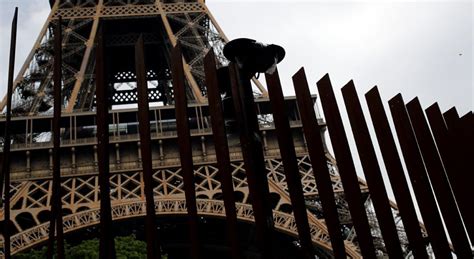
{"points": [[418, 48]]}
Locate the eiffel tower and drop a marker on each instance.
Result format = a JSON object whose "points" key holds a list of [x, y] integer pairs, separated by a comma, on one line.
{"points": [[163, 25]]}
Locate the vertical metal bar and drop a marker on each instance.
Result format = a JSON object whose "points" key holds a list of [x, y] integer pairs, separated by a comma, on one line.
{"points": [[222, 152], [57, 79], [290, 164], [464, 130], [461, 145], [419, 179], [451, 116], [254, 161], [467, 124], [466, 169], [440, 134], [458, 146], [185, 148], [1, 175], [396, 174], [455, 177], [372, 171], [56, 222], [315, 145], [347, 171], [6, 142], [439, 181], [151, 233], [107, 244]]}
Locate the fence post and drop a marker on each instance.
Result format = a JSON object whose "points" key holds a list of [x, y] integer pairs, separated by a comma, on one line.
{"points": [[395, 173], [185, 148], [254, 160], [56, 222], [151, 232], [439, 180], [6, 143], [290, 164], [315, 145], [372, 171], [441, 136], [222, 152], [419, 179], [346, 167]]}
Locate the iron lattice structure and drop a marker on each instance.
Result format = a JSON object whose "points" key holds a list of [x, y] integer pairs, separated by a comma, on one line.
{"points": [[163, 24]]}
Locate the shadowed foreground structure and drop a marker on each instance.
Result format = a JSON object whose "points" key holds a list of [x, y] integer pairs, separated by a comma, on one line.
{"points": [[251, 199]]}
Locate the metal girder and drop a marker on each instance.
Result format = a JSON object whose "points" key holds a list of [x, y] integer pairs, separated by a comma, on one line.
{"points": [[191, 81], [29, 59], [86, 12], [85, 60], [70, 47]]}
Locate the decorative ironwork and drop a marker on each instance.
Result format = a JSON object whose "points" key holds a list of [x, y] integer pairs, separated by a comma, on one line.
{"points": [[284, 222]]}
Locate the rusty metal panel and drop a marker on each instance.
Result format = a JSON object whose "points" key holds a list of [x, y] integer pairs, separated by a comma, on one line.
{"points": [[464, 132], [151, 233], [56, 221], [185, 148], [106, 246], [461, 144], [317, 156], [222, 153], [419, 179], [254, 162], [450, 117], [439, 180], [468, 125], [455, 177], [290, 164], [395, 173], [1, 170], [346, 167], [372, 171], [440, 134], [468, 133], [6, 143]]}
